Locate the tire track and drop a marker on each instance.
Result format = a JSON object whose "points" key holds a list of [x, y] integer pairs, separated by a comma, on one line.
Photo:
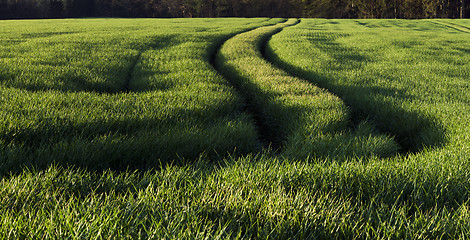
{"points": [[263, 138], [454, 26], [417, 130], [293, 115], [130, 74], [263, 128]]}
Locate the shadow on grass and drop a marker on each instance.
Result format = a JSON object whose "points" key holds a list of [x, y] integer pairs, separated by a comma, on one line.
{"points": [[72, 81], [46, 34], [412, 129], [131, 143], [282, 124]]}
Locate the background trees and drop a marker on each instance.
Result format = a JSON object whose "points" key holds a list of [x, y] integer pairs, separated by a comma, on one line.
{"points": [[17, 9]]}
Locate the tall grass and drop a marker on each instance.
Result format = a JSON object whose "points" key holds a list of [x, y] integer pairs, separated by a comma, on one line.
{"points": [[252, 197]]}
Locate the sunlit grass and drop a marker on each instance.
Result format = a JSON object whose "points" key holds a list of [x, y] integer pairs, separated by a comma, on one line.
{"points": [[118, 93], [304, 120], [405, 78], [251, 197]]}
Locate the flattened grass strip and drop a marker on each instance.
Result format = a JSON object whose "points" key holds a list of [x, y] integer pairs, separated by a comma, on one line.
{"points": [[302, 118], [386, 87], [62, 99]]}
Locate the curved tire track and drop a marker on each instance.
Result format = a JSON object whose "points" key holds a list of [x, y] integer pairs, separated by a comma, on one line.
{"points": [[416, 132], [292, 114], [454, 26]]}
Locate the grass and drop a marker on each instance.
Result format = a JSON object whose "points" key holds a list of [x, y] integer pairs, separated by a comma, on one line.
{"points": [[251, 197], [303, 119], [408, 80], [407, 86], [460, 25], [119, 93], [422, 192]]}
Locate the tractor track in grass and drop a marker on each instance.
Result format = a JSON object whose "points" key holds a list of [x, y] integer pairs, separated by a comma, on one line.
{"points": [[422, 133], [265, 141], [271, 131], [282, 103], [130, 74], [454, 26]]}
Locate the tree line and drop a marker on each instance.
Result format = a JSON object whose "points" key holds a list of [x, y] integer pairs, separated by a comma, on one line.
{"points": [[408, 9]]}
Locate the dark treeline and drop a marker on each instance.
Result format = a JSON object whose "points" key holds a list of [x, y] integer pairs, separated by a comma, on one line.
{"points": [[20, 9]]}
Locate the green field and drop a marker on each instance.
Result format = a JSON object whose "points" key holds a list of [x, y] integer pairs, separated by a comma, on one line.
{"points": [[234, 128], [118, 93]]}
